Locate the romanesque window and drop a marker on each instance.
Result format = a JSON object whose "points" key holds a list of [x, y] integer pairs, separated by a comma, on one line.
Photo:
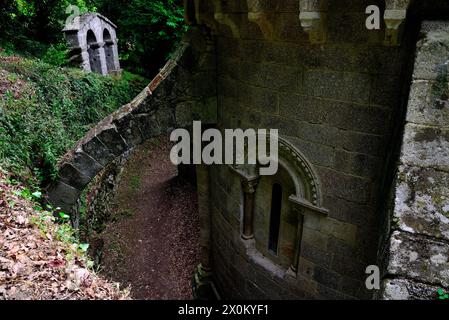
{"points": [[275, 223], [275, 207]]}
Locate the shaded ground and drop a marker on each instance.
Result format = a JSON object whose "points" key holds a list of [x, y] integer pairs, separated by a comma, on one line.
{"points": [[156, 247], [38, 258]]}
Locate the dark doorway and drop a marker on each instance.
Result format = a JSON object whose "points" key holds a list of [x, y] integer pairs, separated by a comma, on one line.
{"points": [[94, 52], [109, 50]]}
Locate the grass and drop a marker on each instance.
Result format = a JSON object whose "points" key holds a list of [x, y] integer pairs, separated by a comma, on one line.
{"points": [[135, 183], [45, 110]]}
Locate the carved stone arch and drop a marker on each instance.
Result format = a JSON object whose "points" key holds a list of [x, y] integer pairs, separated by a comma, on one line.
{"points": [[93, 49], [109, 49], [301, 171]]}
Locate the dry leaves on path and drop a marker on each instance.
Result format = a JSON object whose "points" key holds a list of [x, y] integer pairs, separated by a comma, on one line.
{"points": [[34, 265]]}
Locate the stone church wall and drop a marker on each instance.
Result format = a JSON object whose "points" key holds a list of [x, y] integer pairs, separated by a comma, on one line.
{"points": [[338, 103]]}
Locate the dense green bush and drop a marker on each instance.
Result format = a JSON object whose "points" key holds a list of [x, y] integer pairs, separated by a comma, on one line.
{"points": [[148, 30], [45, 109]]}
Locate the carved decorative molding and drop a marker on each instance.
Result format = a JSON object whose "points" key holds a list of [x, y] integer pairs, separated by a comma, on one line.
{"points": [[304, 172], [394, 16], [246, 172], [261, 14], [313, 17], [303, 206], [225, 19]]}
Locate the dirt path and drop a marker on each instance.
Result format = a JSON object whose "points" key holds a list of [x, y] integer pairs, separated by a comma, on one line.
{"points": [[156, 247]]}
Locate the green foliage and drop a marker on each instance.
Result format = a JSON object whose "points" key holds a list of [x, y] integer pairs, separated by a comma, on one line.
{"points": [[149, 30], [135, 183], [60, 230], [50, 226], [56, 54], [46, 109], [442, 295]]}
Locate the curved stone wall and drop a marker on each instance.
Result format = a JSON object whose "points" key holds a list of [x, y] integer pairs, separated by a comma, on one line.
{"points": [[173, 99]]}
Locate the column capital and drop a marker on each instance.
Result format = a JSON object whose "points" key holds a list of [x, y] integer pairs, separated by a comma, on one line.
{"points": [[313, 17], [394, 16], [250, 185]]}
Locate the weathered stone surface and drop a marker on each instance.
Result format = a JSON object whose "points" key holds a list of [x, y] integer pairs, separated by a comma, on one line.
{"points": [[85, 164], [112, 140], [348, 266], [429, 103], [303, 108], [183, 113], [357, 164], [432, 60], [419, 258], [316, 255], [93, 40], [361, 142], [350, 188], [350, 87], [326, 277], [318, 154], [128, 129], [344, 231], [353, 117], [384, 91], [404, 289], [72, 177], [426, 146], [63, 196], [422, 201], [98, 151]]}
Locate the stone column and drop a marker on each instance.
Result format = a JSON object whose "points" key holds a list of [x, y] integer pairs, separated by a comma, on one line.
{"points": [[85, 64], [249, 189], [102, 56], [116, 57]]}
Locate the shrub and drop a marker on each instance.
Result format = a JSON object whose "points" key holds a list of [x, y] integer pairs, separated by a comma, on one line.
{"points": [[45, 110]]}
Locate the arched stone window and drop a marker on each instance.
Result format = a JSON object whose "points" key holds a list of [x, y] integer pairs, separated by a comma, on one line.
{"points": [[275, 208], [93, 49], [109, 50]]}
